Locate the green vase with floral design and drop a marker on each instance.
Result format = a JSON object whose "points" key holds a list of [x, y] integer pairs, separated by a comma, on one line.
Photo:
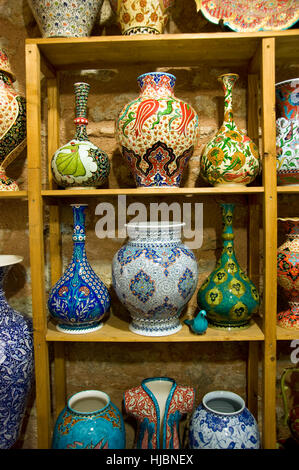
{"points": [[230, 158], [79, 163], [228, 296]]}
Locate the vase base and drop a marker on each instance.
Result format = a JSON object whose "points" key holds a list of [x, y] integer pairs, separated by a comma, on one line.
{"points": [[82, 187], [288, 320], [230, 327], [155, 330], [229, 185], [78, 331]]}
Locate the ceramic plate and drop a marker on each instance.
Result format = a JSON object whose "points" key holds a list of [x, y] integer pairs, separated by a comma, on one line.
{"points": [[252, 15]]}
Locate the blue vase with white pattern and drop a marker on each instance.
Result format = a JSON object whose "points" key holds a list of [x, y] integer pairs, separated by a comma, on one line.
{"points": [[154, 276], [16, 362], [222, 421], [79, 300]]}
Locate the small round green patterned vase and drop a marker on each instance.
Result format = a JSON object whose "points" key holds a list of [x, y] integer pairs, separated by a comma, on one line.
{"points": [[79, 163], [228, 295]]}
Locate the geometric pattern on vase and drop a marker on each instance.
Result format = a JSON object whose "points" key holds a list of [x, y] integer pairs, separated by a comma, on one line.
{"points": [[287, 132], [288, 273], [79, 163], [79, 300], [154, 276], [230, 157], [157, 132], [12, 123], [228, 295], [16, 362]]}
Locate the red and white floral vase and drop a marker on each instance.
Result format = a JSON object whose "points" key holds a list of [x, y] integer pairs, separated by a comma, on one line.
{"points": [[157, 132]]}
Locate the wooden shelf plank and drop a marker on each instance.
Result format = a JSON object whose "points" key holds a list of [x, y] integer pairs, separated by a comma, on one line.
{"points": [[190, 49], [13, 194], [285, 334], [54, 193], [117, 330], [288, 189]]}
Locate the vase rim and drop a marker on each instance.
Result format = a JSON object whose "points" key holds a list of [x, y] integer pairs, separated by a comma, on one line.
{"points": [[225, 395], [287, 81], [155, 225], [81, 83], [78, 205], [9, 260], [288, 219], [88, 393], [229, 75], [157, 73]]}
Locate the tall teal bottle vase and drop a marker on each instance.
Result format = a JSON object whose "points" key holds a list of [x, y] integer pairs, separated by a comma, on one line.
{"points": [[79, 300], [228, 295]]}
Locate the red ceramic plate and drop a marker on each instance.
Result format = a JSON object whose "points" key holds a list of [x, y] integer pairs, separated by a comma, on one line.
{"points": [[252, 15]]}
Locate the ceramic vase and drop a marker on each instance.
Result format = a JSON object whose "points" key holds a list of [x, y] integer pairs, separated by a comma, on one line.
{"points": [[79, 163], [12, 122], [287, 132], [230, 158], [79, 300], [158, 405], [222, 421], [65, 18], [89, 421], [16, 362], [291, 413], [154, 275], [142, 16], [228, 295], [288, 273], [157, 132]]}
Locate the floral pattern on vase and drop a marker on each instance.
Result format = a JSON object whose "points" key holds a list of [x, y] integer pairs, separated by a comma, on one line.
{"points": [[16, 362], [288, 273], [158, 405], [222, 421], [230, 157], [228, 295], [287, 130], [89, 421], [79, 163], [12, 123], [65, 18], [142, 16], [79, 300], [157, 132], [154, 276]]}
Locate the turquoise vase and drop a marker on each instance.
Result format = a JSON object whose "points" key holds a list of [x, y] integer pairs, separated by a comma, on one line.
{"points": [[89, 421], [79, 300], [228, 295]]}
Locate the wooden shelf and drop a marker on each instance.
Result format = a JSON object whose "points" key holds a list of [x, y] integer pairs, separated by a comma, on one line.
{"points": [[13, 194], [285, 334], [288, 189], [117, 331], [58, 193], [230, 48]]}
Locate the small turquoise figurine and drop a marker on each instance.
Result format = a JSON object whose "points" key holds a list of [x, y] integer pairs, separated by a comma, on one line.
{"points": [[79, 300], [199, 324]]}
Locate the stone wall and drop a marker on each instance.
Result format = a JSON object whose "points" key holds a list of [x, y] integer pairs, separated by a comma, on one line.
{"points": [[115, 367]]}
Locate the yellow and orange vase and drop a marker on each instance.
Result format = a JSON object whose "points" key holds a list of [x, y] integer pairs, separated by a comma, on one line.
{"points": [[230, 157]]}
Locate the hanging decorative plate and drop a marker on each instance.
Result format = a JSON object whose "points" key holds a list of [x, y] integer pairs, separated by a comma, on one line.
{"points": [[251, 15]]}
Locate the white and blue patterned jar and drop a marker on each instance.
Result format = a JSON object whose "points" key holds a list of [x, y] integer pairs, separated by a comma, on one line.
{"points": [[222, 421], [79, 300], [89, 421], [154, 276], [16, 362]]}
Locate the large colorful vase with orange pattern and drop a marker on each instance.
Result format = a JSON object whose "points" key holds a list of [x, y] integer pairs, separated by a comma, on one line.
{"points": [[89, 421], [157, 132], [12, 123], [230, 158], [288, 273]]}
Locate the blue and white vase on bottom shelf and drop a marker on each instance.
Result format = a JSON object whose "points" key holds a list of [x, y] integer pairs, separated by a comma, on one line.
{"points": [[154, 276], [79, 300], [16, 362], [222, 421]]}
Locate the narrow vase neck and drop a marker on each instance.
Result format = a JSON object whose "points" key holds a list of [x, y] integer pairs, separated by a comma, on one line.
{"points": [[228, 82], [5, 79], [79, 224], [81, 121], [156, 85], [227, 221]]}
